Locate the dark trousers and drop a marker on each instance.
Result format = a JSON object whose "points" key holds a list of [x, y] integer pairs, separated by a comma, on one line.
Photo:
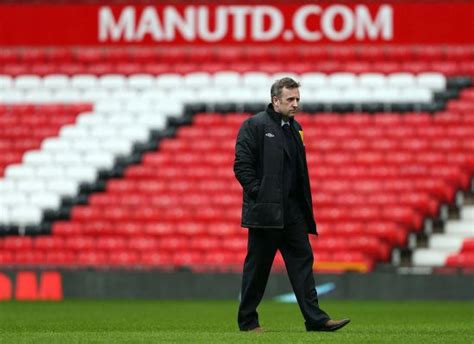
{"points": [[295, 248]]}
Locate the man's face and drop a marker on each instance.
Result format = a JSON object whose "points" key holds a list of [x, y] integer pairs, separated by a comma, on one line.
{"points": [[288, 103]]}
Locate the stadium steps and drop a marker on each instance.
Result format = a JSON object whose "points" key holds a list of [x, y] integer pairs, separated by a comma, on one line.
{"points": [[453, 245]]}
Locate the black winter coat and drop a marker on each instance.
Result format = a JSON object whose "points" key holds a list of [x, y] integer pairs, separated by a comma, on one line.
{"points": [[258, 166]]}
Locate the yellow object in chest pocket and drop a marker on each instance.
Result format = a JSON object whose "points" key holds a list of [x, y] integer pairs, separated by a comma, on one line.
{"points": [[302, 136]]}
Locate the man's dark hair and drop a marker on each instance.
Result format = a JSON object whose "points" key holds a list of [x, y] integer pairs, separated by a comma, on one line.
{"points": [[277, 87]]}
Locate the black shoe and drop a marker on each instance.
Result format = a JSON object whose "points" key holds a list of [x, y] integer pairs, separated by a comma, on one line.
{"points": [[257, 329], [332, 325]]}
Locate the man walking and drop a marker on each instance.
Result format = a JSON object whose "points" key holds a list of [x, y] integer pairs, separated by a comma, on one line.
{"points": [[270, 164]]}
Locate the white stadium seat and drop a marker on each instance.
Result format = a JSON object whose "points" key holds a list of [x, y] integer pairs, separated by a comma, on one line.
{"points": [[401, 80], [68, 96], [13, 198], [411, 95], [103, 131], [226, 79], [141, 81], [314, 80], [125, 95], [386, 95], [261, 96], [169, 81], [30, 185], [81, 173], [155, 94], [86, 114], [445, 242], [66, 158], [39, 96], [427, 257], [278, 76], [108, 106], [329, 95], [372, 80], [27, 82], [171, 108], [50, 172], [242, 95], [250, 95], [357, 95], [12, 96], [342, 80], [56, 81], [256, 80], [74, 131], [45, 200], [38, 157], [151, 120], [113, 81], [54, 144], [122, 119], [467, 213], [7, 185], [182, 95], [135, 132], [138, 105], [117, 145], [6, 82], [99, 159], [95, 95], [84, 81], [4, 214], [90, 119], [26, 214], [460, 228], [86, 144], [197, 80], [212, 95], [19, 171], [63, 186], [432, 81]]}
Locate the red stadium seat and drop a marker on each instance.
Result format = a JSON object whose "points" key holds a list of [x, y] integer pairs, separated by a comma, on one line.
{"points": [[110, 243], [463, 260], [429, 53], [49, 243], [399, 53], [155, 259], [80, 243], [91, 258], [17, 243], [123, 258]]}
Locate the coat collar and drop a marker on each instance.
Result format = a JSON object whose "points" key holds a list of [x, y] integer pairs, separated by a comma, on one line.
{"points": [[276, 116]]}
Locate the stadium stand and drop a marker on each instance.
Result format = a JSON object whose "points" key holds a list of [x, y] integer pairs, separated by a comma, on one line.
{"points": [[123, 157]]}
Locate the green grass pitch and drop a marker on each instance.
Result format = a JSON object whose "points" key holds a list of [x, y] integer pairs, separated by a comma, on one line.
{"points": [[157, 321]]}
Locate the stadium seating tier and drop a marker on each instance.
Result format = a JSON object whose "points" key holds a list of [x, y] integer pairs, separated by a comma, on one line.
{"points": [[375, 177]]}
